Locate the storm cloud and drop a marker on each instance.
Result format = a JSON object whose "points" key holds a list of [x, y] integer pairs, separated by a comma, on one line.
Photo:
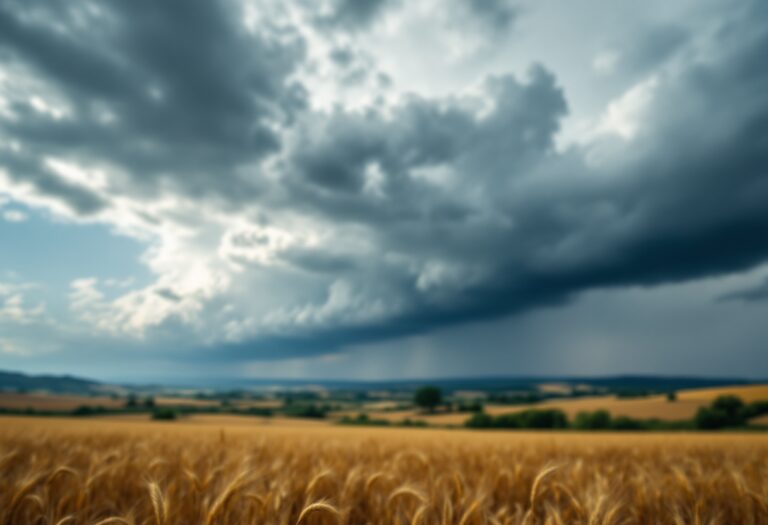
{"points": [[277, 226]]}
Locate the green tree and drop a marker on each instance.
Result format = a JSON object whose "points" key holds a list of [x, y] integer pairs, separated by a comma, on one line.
{"points": [[598, 420], [132, 401], [164, 414], [671, 396], [479, 420], [725, 411], [731, 406], [428, 397], [707, 418]]}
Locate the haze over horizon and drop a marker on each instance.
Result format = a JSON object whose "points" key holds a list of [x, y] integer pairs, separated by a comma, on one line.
{"points": [[380, 189]]}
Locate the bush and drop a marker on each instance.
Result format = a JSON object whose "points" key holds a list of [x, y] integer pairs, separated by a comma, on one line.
{"points": [[598, 420], [259, 411], [132, 401], [363, 419], [472, 406], [305, 411], [543, 419], [164, 414], [507, 421], [408, 422], [539, 419], [627, 423], [86, 410], [479, 420], [754, 409], [515, 399], [708, 418]]}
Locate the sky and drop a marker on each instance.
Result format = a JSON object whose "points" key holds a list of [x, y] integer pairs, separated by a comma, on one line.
{"points": [[376, 189]]}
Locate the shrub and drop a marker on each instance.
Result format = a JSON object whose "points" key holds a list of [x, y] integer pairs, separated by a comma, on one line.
{"points": [[598, 420], [363, 419], [507, 421], [164, 414], [539, 419], [132, 401], [408, 422], [543, 419], [754, 409], [259, 411], [472, 406], [86, 410], [627, 423], [479, 420], [708, 418], [305, 411]]}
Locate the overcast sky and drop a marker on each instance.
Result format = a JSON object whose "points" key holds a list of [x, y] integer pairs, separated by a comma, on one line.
{"points": [[383, 188]]}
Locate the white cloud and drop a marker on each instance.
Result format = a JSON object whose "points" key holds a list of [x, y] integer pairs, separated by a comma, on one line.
{"points": [[624, 116]]}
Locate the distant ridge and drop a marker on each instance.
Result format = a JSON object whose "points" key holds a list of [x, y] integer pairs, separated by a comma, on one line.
{"points": [[500, 383], [67, 384], [63, 384]]}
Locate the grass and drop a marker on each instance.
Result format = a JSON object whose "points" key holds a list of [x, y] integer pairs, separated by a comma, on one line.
{"points": [[76, 472]]}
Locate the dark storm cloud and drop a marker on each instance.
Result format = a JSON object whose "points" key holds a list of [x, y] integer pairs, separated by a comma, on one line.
{"points": [[684, 199], [353, 15], [31, 170], [494, 15], [466, 208], [656, 46], [157, 88], [332, 163]]}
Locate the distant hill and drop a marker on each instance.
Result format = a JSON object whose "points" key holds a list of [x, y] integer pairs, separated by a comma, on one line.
{"points": [[487, 384], [65, 384]]}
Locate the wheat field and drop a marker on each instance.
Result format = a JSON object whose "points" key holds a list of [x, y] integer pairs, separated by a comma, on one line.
{"points": [[71, 472]]}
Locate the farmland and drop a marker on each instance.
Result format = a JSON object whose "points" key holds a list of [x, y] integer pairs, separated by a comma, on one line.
{"points": [[454, 410], [216, 470], [646, 407]]}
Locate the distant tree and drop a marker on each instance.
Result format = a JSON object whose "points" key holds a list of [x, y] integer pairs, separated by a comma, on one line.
{"points": [[540, 419], [149, 402], [550, 418], [479, 420], [731, 405], [428, 397], [708, 418], [671, 396], [165, 414], [725, 411], [132, 401], [626, 423], [597, 420]]}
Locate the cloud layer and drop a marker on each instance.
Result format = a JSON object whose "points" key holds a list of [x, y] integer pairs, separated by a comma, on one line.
{"points": [[295, 196]]}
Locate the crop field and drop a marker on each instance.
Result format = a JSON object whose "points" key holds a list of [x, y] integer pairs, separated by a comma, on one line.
{"points": [[648, 407], [113, 471]]}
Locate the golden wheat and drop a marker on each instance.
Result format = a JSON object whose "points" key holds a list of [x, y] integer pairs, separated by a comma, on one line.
{"points": [[62, 472]]}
